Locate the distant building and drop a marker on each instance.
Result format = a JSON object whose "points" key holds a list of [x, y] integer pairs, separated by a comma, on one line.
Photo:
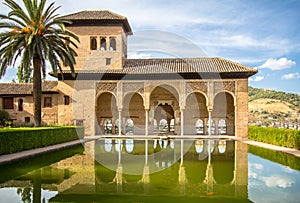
{"points": [[167, 95]]}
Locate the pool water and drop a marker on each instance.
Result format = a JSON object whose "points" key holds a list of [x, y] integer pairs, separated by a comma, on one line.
{"points": [[110, 170]]}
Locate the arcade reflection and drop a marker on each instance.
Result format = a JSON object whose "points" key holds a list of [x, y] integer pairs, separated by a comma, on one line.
{"points": [[147, 170]]}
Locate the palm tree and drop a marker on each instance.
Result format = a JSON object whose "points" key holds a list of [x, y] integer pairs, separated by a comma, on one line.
{"points": [[36, 35]]}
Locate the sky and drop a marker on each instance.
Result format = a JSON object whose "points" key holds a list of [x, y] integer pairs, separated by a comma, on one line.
{"points": [[262, 34]]}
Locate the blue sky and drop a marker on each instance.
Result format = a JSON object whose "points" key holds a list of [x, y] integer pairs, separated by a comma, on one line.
{"points": [[263, 34]]}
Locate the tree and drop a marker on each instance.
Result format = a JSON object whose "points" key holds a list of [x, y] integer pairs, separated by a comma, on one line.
{"points": [[35, 35], [24, 77]]}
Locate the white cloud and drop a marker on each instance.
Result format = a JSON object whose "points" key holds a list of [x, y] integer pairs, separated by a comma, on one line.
{"points": [[290, 76], [135, 55], [278, 181], [274, 64], [257, 78]]}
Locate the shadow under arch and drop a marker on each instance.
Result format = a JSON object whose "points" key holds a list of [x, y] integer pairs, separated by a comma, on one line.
{"points": [[164, 104], [224, 108], [133, 108], [196, 108], [106, 108]]}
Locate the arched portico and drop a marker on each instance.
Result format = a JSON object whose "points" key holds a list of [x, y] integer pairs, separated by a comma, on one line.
{"points": [[147, 103], [133, 109], [195, 109], [164, 105], [224, 110], [106, 112]]}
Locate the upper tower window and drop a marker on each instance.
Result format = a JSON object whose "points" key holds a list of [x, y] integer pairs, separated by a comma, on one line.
{"points": [[112, 44], [102, 43], [93, 43]]}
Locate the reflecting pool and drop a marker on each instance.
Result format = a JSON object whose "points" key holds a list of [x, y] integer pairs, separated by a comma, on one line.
{"points": [[161, 170]]}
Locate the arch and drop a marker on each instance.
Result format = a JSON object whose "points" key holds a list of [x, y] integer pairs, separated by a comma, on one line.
{"points": [[103, 44], [171, 89], [164, 105], [195, 109], [224, 109], [20, 105], [106, 109], [133, 108], [228, 92], [112, 44], [200, 92]]}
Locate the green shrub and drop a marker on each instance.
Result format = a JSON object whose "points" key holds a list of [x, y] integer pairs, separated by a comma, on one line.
{"points": [[4, 116], [19, 139], [281, 137]]}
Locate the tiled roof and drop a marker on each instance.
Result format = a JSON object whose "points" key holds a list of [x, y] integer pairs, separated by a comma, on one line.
{"points": [[26, 88], [176, 65], [94, 15], [98, 15]]}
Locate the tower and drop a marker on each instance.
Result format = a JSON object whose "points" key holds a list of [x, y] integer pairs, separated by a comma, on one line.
{"points": [[103, 39]]}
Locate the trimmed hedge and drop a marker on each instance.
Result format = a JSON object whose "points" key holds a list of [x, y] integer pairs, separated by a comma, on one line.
{"points": [[280, 137], [19, 139]]}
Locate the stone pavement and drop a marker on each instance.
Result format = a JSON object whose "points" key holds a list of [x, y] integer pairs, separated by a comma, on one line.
{"points": [[294, 152]]}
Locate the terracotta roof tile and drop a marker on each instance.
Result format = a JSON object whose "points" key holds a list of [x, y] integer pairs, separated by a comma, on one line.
{"points": [[177, 65], [98, 16], [26, 88], [94, 15]]}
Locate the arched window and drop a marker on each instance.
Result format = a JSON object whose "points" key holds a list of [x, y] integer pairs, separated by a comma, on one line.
{"points": [[93, 43], [103, 44], [112, 44], [213, 127], [199, 127], [222, 127], [163, 126], [20, 105], [129, 126], [108, 126]]}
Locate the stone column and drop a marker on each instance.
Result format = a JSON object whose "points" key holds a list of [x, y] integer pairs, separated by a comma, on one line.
{"points": [[147, 122], [120, 122], [181, 121], [209, 121]]}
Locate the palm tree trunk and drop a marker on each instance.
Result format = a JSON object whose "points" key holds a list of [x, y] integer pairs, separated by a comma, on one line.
{"points": [[37, 90]]}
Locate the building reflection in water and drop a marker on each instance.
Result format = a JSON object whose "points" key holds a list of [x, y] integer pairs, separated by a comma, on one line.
{"points": [[149, 169]]}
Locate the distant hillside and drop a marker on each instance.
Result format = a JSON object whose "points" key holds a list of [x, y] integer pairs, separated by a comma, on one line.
{"points": [[257, 93], [273, 108]]}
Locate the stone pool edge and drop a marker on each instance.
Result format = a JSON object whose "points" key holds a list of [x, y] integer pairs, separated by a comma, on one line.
{"points": [[9, 158]]}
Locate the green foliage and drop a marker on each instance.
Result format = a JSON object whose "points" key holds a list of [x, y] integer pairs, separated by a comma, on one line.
{"points": [[275, 156], [4, 116], [19, 139], [281, 137], [257, 93]]}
